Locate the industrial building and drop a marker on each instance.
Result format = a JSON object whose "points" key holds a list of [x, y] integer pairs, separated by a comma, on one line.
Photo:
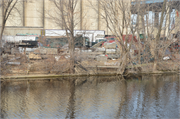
{"points": [[32, 16]]}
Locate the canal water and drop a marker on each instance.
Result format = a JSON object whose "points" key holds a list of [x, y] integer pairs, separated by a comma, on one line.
{"points": [[92, 98]]}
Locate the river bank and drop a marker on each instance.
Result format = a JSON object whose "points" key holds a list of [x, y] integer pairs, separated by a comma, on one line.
{"points": [[52, 76], [50, 67]]}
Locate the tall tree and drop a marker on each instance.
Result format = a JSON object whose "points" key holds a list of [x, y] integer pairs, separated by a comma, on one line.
{"points": [[117, 17], [66, 12], [157, 39], [7, 7], [117, 14]]}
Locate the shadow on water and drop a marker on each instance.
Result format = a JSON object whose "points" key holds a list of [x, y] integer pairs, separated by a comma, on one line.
{"points": [[146, 96], [123, 98], [71, 104]]}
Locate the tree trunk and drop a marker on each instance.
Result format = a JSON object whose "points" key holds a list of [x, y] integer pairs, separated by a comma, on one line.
{"points": [[71, 52], [123, 63], [2, 30], [158, 36], [71, 61], [155, 66]]}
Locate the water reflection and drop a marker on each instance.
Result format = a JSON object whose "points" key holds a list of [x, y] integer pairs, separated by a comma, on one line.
{"points": [[93, 97]]}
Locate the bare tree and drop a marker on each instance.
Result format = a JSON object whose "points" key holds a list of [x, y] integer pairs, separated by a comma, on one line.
{"points": [[65, 16], [156, 29], [117, 17], [158, 33], [117, 14], [7, 7]]}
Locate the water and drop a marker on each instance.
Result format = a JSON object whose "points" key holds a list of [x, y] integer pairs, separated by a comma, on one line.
{"points": [[92, 97]]}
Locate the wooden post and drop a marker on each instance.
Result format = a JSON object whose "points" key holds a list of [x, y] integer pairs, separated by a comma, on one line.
{"points": [[25, 51], [96, 69]]}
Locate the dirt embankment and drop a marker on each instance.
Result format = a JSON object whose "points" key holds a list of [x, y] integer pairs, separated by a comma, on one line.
{"points": [[51, 66]]}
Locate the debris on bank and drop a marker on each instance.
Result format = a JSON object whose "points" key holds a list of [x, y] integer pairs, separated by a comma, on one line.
{"points": [[52, 56]]}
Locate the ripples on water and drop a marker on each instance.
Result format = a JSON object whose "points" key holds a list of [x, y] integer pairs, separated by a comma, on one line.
{"points": [[92, 97]]}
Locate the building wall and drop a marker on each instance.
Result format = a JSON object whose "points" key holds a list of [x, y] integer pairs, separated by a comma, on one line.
{"points": [[34, 14], [16, 16], [31, 15], [90, 16], [13, 31], [50, 9]]}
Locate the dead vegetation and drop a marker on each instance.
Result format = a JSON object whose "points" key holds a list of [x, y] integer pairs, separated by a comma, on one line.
{"points": [[136, 54], [59, 64]]}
